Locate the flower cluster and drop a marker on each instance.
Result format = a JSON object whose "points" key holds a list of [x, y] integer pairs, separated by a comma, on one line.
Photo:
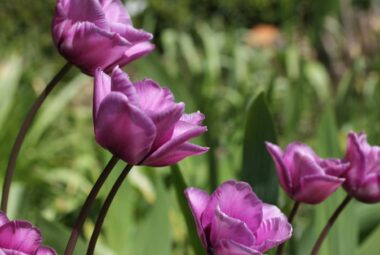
{"points": [[141, 123], [307, 178]]}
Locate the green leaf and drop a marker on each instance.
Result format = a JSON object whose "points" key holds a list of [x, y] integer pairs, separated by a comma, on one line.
{"points": [[258, 168], [371, 245], [180, 186]]}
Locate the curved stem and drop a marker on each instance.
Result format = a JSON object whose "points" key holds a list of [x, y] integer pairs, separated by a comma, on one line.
{"points": [[104, 209], [22, 133], [329, 224], [87, 206], [291, 216]]}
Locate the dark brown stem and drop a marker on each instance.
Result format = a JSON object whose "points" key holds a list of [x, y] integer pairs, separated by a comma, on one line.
{"points": [[87, 206], [293, 212], [104, 209], [22, 133], [329, 224], [291, 216]]}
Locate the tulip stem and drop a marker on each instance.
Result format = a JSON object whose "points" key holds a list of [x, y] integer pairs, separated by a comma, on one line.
{"points": [[291, 216], [329, 224], [22, 133], [87, 206], [104, 209]]}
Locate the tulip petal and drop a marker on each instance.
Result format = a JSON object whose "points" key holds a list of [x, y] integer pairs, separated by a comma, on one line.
{"points": [[237, 200], [369, 191], [282, 170], [115, 11], [305, 165], [90, 47], [165, 123], [195, 118], [128, 31], [334, 167], [124, 129], [11, 252], [136, 51], [198, 200], [314, 189], [274, 229], [297, 151], [174, 156], [88, 10], [356, 157], [182, 133], [373, 160], [271, 211], [153, 98], [45, 251], [102, 87], [226, 227], [3, 219], [160, 106], [299, 147], [20, 236], [228, 247], [122, 83]]}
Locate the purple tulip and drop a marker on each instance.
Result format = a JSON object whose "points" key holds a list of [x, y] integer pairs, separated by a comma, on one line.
{"points": [[141, 123], [234, 221], [303, 175], [363, 176], [20, 238], [98, 33]]}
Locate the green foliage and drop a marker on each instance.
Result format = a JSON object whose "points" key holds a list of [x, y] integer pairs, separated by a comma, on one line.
{"points": [[258, 168]]}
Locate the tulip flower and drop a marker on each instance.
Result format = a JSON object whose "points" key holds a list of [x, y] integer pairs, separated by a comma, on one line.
{"points": [[304, 176], [363, 176], [20, 238], [234, 221], [97, 33], [141, 123]]}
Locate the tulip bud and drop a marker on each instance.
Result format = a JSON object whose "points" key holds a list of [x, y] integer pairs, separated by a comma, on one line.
{"points": [[234, 221], [363, 176], [141, 123], [97, 33], [303, 175], [20, 237]]}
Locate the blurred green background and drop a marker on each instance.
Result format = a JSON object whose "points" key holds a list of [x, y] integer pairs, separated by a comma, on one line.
{"points": [[259, 69]]}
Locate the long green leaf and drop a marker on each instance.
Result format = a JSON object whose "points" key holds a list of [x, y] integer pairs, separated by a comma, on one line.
{"points": [[371, 245], [258, 168], [179, 186]]}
